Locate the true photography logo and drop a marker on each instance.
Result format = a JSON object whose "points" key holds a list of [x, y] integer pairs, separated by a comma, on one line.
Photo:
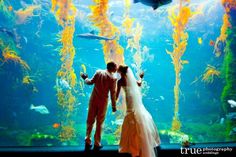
{"points": [[205, 151]]}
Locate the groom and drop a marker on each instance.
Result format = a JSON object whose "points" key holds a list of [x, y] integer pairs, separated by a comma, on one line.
{"points": [[104, 82]]}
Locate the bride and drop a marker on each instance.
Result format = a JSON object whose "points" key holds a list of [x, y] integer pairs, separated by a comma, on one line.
{"points": [[139, 134]]}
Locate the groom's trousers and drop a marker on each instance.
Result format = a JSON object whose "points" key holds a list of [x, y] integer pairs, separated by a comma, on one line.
{"points": [[96, 112]]}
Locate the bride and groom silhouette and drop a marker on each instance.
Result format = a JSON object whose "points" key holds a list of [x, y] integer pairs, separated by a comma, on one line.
{"points": [[139, 134]]}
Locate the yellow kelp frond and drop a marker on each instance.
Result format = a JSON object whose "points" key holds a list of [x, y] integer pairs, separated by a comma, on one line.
{"points": [[23, 15], [54, 4], [65, 12], [83, 68], [210, 73], [111, 49], [81, 81], [224, 27], [176, 124], [134, 41], [133, 44], [223, 35], [180, 37], [73, 78], [184, 15], [67, 133], [229, 4], [67, 36], [127, 22], [137, 36], [138, 59], [61, 99], [127, 25], [11, 55]]}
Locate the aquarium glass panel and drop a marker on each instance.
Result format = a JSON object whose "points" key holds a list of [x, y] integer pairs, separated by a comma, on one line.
{"points": [[186, 49]]}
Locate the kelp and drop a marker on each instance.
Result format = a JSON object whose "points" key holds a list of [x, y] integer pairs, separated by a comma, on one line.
{"points": [[228, 72], [134, 35], [127, 23], [210, 73], [23, 15], [228, 5], [112, 50], [229, 64], [65, 12], [10, 55], [223, 35], [180, 37]]}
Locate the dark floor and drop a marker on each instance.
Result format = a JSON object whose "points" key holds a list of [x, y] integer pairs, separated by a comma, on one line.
{"points": [[214, 150]]}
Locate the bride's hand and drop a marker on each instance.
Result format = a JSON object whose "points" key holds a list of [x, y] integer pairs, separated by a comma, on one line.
{"points": [[141, 75]]}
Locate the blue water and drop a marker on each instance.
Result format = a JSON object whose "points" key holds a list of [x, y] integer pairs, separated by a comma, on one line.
{"points": [[199, 105]]}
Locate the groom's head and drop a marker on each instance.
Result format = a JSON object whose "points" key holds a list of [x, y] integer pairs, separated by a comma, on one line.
{"points": [[111, 67]]}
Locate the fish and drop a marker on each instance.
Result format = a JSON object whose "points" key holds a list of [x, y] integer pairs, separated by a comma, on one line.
{"points": [[65, 84], [232, 103], [231, 116], [211, 43], [62, 83], [199, 41], [153, 3], [162, 97], [41, 109], [184, 62], [8, 32], [156, 100], [56, 125], [26, 40], [10, 8], [35, 90], [117, 122], [91, 35], [48, 45], [222, 120], [233, 132]]}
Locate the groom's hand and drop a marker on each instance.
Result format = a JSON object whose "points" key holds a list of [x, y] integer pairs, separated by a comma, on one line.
{"points": [[113, 109], [83, 75]]}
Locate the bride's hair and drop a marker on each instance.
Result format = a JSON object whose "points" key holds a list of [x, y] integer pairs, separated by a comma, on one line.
{"points": [[123, 69]]}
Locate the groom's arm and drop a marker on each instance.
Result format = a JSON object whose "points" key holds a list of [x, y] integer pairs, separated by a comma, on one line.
{"points": [[118, 89], [113, 94], [92, 80]]}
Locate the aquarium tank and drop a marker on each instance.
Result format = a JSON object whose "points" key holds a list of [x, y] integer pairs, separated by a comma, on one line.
{"points": [[186, 49]]}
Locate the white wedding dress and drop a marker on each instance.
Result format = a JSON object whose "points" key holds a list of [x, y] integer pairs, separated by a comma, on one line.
{"points": [[139, 134]]}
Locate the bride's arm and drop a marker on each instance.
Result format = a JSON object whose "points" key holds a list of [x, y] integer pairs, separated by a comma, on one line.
{"points": [[139, 82]]}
